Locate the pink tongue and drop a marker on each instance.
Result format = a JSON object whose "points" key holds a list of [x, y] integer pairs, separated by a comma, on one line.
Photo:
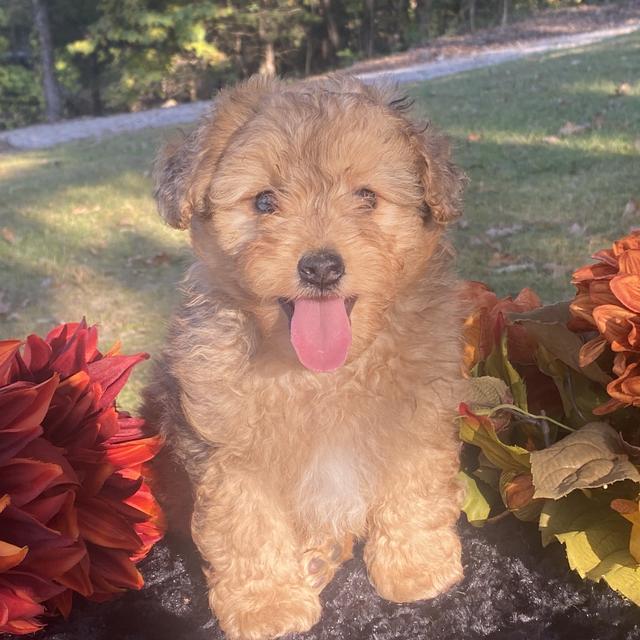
{"points": [[321, 333]]}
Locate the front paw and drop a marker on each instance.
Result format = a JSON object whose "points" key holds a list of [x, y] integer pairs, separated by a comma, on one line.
{"points": [[415, 567], [269, 611]]}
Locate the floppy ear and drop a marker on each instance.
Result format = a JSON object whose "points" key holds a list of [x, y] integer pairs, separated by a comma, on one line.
{"points": [[443, 182], [183, 170], [173, 176]]}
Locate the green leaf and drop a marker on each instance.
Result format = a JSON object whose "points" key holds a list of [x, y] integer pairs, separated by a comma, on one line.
{"points": [[479, 430], [589, 458], [596, 539], [557, 313], [548, 325], [579, 394], [497, 365], [487, 391], [476, 506]]}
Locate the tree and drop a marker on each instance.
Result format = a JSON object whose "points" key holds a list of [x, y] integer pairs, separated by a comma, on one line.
{"points": [[50, 88]]}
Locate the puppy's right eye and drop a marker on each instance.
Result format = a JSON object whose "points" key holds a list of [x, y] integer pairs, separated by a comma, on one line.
{"points": [[368, 197], [265, 202]]}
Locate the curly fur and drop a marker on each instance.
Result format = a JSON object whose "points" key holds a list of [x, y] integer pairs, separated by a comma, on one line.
{"points": [[286, 465]]}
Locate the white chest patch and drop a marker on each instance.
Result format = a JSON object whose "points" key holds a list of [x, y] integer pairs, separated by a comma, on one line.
{"points": [[332, 492]]}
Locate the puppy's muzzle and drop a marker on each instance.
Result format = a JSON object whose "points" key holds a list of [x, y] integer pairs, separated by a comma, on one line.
{"points": [[322, 269]]}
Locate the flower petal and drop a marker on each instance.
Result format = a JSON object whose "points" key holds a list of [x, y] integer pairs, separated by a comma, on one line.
{"points": [[25, 479], [112, 374], [591, 350], [598, 271], [615, 324], [37, 354], [100, 524], [8, 350], [629, 261], [53, 563], [627, 289], [78, 578], [113, 571], [131, 454], [11, 556]]}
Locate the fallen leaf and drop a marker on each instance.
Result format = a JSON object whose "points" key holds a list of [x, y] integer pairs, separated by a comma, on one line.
{"points": [[557, 270], [8, 235], [623, 89], [158, 259], [571, 128], [577, 229], [503, 231], [631, 211], [498, 259], [589, 458], [5, 307], [514, 268]]}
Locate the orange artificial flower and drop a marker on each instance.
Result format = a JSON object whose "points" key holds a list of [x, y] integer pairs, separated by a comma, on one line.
{"points": [[608, 301]]}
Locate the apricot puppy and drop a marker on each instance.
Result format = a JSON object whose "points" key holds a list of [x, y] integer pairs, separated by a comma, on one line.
{"points": [[311, 374]]}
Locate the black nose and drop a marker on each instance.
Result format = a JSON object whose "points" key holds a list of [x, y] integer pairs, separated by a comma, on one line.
{"points": [[321, 268]]}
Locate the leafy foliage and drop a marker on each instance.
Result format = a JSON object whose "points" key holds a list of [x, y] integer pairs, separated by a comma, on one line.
{"points": [[128, 54], [562, 466]]}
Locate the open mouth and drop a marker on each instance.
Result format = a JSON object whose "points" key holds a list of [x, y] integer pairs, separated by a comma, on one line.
{"points": [[289, 305], [320, 330]]}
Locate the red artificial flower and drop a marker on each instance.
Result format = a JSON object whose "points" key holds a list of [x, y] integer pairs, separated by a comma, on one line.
{"points": [[75, 511]]}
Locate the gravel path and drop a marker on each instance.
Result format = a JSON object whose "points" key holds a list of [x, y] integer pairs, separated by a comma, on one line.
{"points": [[48, 135]]}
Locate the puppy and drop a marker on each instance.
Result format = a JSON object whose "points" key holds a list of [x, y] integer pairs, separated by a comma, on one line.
{"points": [[311, 375]]}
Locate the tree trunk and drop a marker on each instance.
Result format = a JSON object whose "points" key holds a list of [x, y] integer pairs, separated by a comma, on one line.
{"points": [[96, 97], [505, 13], [50, 88], [332, 27], [472, 15], [423, 11], [369, 27], [308, 58], [268, 66]]}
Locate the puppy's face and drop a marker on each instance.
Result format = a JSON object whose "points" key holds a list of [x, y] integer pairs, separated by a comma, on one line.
{"points": [[314, 206]]}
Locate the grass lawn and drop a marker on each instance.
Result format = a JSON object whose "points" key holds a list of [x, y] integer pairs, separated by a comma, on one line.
{"points": [[79, 233]]}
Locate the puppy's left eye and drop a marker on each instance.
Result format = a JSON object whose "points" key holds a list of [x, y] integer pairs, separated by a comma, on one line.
{"points": [[368, 197], [265, 202]]}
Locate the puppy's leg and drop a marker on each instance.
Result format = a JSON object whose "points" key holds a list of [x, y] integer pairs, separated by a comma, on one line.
{"points": [[257, 579], [413, 550]]}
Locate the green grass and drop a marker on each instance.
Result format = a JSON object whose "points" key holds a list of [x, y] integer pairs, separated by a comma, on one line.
{"points": [[88, 241]]}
